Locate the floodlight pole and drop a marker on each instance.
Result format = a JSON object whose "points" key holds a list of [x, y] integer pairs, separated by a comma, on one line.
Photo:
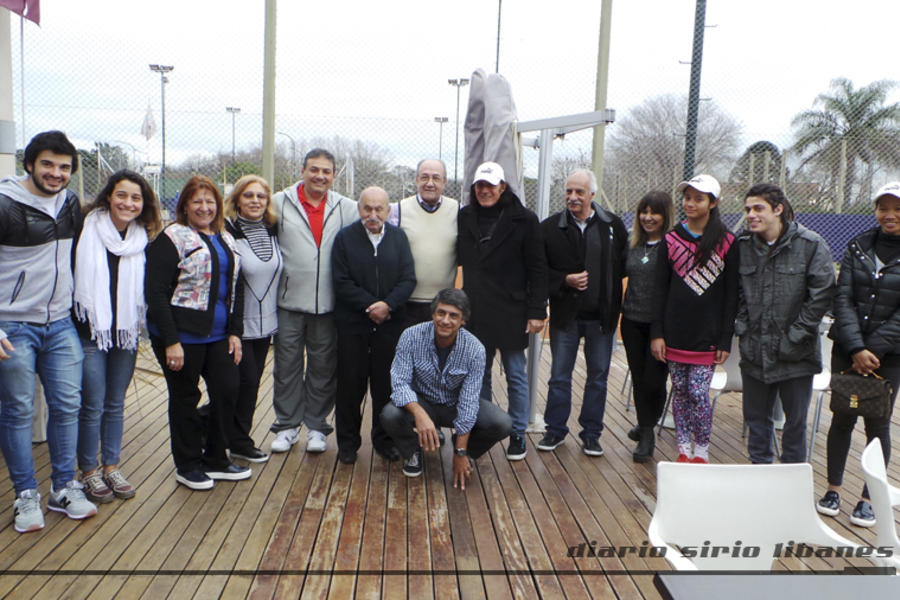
{"points": [[690, 142], [233, 110], [440, 121], [162, 70], [459, 83]]}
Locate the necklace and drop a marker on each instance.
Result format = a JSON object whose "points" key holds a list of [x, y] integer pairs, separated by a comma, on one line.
{"points": [[647, 248]]}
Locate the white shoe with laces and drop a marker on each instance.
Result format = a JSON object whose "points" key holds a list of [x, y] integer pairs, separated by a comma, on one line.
{"points": [[27, 512], [284, 440], [315, 441]]}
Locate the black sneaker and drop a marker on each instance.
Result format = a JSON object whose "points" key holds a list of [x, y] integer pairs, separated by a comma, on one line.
{"points": [[829, 504], [230, 473], [516, 449], [863, 515], [347, 457], [592, 447], [634, 434], [195, 480], [550, 441], [412, 467], [254, 455]]}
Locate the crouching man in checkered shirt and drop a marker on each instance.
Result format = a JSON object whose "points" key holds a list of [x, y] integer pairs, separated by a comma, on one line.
{"points": [[436, 379]]}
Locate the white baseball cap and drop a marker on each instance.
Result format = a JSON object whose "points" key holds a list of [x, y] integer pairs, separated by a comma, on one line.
{"points": [[490, 172], [702, 183], [889, 189]]}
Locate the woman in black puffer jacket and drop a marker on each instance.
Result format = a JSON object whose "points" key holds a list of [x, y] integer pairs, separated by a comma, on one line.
{"points": [[866, 332]]}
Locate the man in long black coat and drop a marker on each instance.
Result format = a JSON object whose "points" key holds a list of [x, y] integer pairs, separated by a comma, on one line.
{"points": [[500, 249]]}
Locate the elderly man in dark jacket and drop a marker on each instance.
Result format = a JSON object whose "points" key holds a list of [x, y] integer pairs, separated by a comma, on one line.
{"points": [[373, 273], [786, 286], [586, 248], [505, 276]]}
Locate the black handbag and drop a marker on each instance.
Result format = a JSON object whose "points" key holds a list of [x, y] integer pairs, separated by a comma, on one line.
{"points": [[861, 396]]}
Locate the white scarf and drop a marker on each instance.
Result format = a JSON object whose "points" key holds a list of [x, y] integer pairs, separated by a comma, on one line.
{"points": [[92, 297]]}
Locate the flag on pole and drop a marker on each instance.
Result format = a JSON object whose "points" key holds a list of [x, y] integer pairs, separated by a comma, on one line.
{"points": [[148, 129], [30, 9]]}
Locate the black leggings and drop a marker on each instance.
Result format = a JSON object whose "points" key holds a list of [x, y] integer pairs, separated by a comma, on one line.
{"points": [[842, 425], [648, 375]]}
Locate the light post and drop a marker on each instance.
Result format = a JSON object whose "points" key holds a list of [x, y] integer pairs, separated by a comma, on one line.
{"points": [[459, 83], [162, 70], [233, 110], [441, 121]]}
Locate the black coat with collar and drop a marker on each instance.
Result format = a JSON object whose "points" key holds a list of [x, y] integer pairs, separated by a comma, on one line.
{"points": [[363, 276], [505, 277], [562, 244]]}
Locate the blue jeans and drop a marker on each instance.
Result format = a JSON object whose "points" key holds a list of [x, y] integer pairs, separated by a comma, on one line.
{"points": [[106, 378], [516, 385], [53, 352], [598, 346]]}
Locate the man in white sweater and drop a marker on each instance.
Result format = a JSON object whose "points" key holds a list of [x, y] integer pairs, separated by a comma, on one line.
{"points": [[429, 220]]}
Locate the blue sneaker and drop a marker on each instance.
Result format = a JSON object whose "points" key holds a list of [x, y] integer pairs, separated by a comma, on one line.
{"points": [[195, 480]]}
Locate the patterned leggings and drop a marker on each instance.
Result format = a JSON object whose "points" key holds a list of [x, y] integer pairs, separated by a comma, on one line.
{"points": [[690, 402]]}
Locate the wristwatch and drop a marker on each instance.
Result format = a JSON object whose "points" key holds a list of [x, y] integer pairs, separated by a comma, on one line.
{"points": [[460, 452]]}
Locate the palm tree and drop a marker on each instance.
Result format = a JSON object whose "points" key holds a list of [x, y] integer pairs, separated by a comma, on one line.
{"points": [[853, 126]]}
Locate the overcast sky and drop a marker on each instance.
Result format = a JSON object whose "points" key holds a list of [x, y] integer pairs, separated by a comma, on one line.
{"points": [[379, 70]]}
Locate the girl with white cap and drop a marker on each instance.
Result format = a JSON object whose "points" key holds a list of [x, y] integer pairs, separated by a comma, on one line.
{"points": [[696, 303]]}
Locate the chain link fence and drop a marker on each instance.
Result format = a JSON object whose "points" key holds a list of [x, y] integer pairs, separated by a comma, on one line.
{"points": [[372, 88]]}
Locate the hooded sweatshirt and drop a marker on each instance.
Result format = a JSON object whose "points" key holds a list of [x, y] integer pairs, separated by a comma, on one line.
{"points": [[306, 284], [36, 239]]}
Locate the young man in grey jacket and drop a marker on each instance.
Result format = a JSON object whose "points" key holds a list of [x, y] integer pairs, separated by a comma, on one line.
{"points": [[310, 215], [39, 223], [786, 286]]}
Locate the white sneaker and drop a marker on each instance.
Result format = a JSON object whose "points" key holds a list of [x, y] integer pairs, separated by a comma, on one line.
{"points": [[315, 441], [71, 501], [284, 440], [27, 512]]}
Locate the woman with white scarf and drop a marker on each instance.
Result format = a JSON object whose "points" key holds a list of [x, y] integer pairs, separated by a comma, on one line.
{"points": [[109, 312]]}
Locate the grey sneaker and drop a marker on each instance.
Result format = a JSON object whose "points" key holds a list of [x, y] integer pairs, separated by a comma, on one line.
{"points": [[71, 501], [27, 512], [96, 489], [119, 485]]}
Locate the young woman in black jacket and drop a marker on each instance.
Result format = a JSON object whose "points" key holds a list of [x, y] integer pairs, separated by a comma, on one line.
{"points": [[866, 333]]}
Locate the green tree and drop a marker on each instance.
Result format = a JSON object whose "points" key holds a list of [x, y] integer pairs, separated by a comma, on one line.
{"points": [[850, 128]]}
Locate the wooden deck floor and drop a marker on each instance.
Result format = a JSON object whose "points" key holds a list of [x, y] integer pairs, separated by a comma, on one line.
{"points": [[308, 526]]}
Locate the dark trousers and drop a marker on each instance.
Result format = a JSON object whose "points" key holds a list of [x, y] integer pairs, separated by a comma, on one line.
{"points": [[648, 375], [491, 425], [759, 406], [213, 363], [253, 363], [363, 359], [841, 430]]}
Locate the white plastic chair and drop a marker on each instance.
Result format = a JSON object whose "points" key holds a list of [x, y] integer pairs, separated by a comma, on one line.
{"points": [[742, 507], [821, 382], [884, 498]]}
